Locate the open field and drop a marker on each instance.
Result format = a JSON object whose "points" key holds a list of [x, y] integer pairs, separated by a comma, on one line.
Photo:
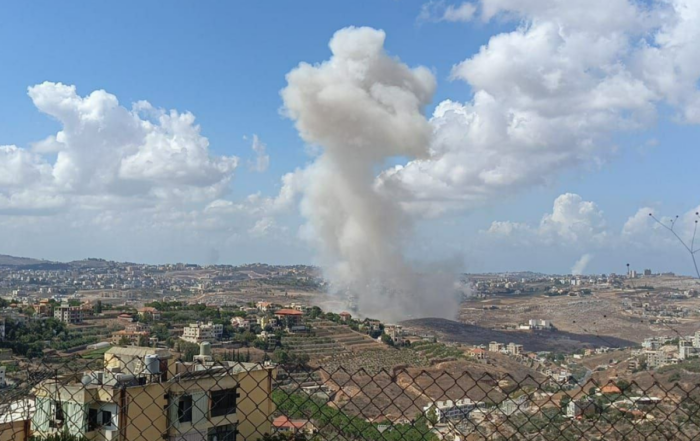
{"points": [[604, 317], [449, 330]]}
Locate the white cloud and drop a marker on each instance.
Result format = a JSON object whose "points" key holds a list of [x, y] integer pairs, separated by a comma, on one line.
{"points": [[440, 11], [262, 159], [572, 221], [581, 264], [107, 154], [262, 227], [551, 94]]}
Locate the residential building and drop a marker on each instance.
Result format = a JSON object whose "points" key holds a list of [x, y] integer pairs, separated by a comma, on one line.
{"points": [[284, 424], [345, 316], [15, 418], [128, 318], [656, 359], [445, 410], [263, 306], [200, 332], [478, 353], [539, 324], [144, 394], [133, 337], [686, 349], [68, 314], [696, 339], [579, 408], [494, 346], [149, 312], [242, 322], [289, 318], [395, 332], [514, 349]]}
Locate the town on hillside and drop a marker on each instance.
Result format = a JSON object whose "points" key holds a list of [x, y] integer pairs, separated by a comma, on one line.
{"points": [[523, 346]]}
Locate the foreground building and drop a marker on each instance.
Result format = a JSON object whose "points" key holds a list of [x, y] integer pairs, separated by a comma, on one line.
{"points": [[15, 420], [144, 394]]}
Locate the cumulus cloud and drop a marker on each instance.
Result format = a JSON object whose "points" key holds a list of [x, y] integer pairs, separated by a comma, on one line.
{"points": [[262, 227], [440, 11], [572, 221], [107, 154], [551, 94], [581, 264], [362, 107], [262, 159]]}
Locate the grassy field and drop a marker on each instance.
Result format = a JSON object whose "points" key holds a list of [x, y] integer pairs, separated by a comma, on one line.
{"points": [[97, 353]]}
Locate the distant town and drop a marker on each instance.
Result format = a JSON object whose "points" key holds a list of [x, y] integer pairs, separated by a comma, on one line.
{"points": [[563, 331]]}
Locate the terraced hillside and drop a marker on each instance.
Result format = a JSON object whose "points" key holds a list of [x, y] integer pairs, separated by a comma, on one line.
{"points": [[346, 337], [372, 362]]}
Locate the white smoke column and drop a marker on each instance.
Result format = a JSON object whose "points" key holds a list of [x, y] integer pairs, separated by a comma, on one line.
{"points": [[362, 107], [581, 264]]}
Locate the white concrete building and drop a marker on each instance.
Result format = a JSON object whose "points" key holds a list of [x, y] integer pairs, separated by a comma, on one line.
{"points": [[68, 314], [450, 409], [200, 332]]}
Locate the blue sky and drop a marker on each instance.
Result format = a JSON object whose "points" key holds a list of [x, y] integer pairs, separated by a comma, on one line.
{"points": [[225, 62]]}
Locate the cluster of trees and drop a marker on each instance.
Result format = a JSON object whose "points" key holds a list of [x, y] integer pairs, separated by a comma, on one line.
{"points": [[335, 422], [282, 356], [28, 338]]}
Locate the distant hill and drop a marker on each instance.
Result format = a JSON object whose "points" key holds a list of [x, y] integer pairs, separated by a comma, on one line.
{"points": [[13, 261]]}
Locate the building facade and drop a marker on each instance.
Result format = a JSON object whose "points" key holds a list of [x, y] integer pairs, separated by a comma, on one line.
{"points": [[201, 332], [68, 314], [144, 394]]}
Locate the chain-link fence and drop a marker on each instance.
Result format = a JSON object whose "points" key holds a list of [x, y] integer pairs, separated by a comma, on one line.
{"points": [[148, 394]]}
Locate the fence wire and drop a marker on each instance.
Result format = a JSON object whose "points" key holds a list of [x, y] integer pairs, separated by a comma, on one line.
{"points": [[147, 394]]}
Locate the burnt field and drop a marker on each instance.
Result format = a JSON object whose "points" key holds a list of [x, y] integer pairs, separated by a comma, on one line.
{"points": [[453, 331]]}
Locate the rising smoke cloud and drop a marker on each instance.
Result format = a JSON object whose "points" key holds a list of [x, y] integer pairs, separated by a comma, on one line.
{"points": [[362, 107], [581, 265]]}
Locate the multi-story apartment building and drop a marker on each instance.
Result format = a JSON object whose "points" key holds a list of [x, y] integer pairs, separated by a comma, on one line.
{"points": [[449, 409], [696, 339], [514, 349], [656, 359], [200, 332], [144, 394], [68, 314], [495, 346]]}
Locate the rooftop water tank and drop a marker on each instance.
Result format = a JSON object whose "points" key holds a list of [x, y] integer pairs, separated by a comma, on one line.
{"points": [[152, 363], [205, 348]]}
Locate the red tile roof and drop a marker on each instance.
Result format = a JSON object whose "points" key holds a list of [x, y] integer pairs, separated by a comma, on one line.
{"points": [[610, 389], [288, 312], [283, 421]]}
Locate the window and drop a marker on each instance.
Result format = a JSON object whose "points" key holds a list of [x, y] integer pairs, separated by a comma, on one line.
{"points": [[222, 433], [223, 402], [92, 420], [106, 418], [184, 409]]}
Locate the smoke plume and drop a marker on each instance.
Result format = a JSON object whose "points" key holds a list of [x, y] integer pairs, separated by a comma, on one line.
{"points": [[581, 265], [362, 107]]}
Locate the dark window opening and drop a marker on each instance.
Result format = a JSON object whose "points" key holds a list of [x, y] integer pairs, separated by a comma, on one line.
{"points": [[106, 418], [92, 420], [223, 433], [184, 409], [223, 402], [59, 412]]}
